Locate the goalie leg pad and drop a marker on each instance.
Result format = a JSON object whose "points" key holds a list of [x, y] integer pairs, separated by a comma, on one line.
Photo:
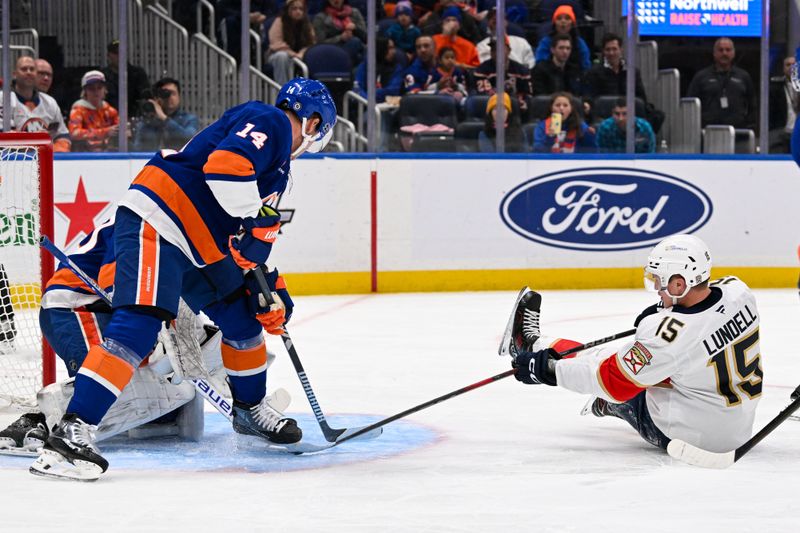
{"points": [[148, 396]]}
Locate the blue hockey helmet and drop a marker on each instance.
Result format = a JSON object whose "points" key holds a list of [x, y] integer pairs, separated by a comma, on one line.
{"points": [[305, 98], [795, 75]]}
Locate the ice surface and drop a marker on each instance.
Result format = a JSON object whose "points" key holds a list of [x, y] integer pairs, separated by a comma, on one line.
{"points": [[505, 457]]}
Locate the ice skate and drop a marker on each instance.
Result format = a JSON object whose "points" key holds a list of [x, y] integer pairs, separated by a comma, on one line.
{"points": [[25, 436], [522, 329], [70, 453], [598, 407], [263, 420]]}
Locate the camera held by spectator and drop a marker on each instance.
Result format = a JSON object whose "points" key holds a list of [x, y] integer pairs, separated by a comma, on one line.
{"points": [[164, 124], [152, 105]]}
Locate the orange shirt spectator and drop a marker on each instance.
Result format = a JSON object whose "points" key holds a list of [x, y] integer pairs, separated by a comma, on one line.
{"points": [[93, 123], [466, 52]]}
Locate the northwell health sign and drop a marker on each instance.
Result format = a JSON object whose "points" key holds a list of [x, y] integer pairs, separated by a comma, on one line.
{"points": [[704, 18]]}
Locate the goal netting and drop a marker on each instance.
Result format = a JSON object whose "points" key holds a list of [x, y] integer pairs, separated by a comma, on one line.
{"points": [[26, 206]]}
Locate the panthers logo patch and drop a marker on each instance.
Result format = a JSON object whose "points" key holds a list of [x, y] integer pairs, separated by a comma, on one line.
{"points": [[637, 358]]}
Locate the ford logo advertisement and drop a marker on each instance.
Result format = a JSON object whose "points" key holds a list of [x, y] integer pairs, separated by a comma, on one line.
{"points": [[604, 209]]}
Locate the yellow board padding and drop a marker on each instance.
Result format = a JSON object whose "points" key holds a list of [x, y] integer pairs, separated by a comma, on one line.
{"points": [[304, 284], [25, 296]]}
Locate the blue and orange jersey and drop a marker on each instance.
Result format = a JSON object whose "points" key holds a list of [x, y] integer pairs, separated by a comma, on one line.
{"points": [[196, 198], [95, 256]]}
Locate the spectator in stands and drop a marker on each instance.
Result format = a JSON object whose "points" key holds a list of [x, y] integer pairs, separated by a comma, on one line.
{"points": [[422, 75], [290, 35], [165, 125], [44, 75], [466, 53], [564, 22], [725, 91], [230, 13], [521, 50], [518, 77], [431, 22], [612, 131], [389, 80], [515, 139], [610, 79], [32, 110], [784, 106], [138, 84], [453, 79], [564, 132], [93, 122], [341, 24], [556, 73], [403, 32]]}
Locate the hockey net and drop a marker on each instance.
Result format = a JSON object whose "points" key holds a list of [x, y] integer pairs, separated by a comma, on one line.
{"points": [[26, 207]]}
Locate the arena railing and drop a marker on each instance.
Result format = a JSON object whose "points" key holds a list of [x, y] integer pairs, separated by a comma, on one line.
{"points": [[212, 80], [83, 28], [162, 46], [209, 26], [666, 97], [262, 87], [25, 37], [719, 139], [17, 51]]}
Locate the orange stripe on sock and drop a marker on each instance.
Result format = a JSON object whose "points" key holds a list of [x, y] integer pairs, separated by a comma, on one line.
{"points": [[108, 366], [148, 273], [226, 162], [243, 360], [158, 181]]}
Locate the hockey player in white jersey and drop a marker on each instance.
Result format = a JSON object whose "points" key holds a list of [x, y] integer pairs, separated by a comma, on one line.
{"points": [[693, 371]]}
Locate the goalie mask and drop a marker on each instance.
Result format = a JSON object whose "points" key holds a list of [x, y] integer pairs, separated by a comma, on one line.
{"points": [[306, 98], [794, 76], [683, 255]]}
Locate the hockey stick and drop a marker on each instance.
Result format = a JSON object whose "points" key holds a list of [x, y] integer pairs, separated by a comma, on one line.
{"points": [[203, 387], [683, 451], [331, 434], [474, 386]]}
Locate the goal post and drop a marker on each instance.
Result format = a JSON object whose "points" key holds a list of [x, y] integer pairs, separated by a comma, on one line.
{"points": [[26, 213]]}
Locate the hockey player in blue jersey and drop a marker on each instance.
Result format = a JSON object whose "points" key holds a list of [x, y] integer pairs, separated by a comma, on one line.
{"points": [[73, 318], [185, 211]]}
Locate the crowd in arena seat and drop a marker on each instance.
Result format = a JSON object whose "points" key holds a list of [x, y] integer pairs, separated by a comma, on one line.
{"points": [[563, 82]]}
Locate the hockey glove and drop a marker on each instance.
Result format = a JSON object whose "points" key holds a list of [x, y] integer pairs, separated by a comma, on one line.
{"points": [[651, 310], [272, 317], [534, 368], [255, 244]]}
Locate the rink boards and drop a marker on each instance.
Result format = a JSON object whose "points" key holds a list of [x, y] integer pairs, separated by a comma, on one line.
{"points": [[427, 223]]}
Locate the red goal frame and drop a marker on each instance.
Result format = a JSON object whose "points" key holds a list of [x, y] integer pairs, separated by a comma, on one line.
{"points": [[44, 146]]}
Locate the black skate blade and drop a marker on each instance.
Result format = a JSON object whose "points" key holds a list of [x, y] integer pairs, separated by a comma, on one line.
{"points": [[503, 351]]}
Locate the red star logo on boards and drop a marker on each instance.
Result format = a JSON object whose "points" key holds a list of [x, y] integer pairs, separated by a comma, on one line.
{"points": [[80, 212]]}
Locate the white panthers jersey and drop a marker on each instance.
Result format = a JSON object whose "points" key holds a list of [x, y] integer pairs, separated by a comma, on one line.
{"points": [[43, 115], [701, 368]]}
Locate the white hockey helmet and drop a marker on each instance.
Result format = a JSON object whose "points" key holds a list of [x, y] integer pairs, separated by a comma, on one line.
{"points": [[684, 255]]}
